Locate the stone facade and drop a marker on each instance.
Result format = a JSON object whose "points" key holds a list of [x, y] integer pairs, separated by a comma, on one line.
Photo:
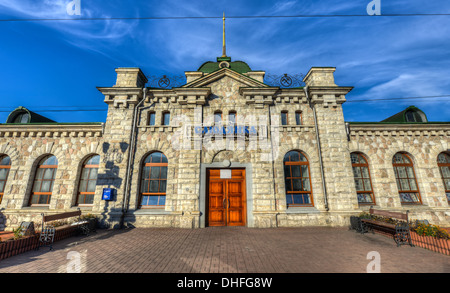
{"points": [[126, 138]]}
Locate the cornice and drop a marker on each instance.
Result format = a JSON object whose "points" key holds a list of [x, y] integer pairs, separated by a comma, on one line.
{"points": [[399, 129], [49, 130]]}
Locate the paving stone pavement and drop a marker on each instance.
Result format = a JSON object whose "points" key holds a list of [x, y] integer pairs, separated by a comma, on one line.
{"points": [[226, 250]]}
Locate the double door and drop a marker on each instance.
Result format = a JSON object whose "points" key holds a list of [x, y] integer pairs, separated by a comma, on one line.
{"points": [[226, 197]]}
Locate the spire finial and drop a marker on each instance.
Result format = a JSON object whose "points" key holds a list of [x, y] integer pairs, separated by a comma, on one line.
{"points": [[224, 48]]}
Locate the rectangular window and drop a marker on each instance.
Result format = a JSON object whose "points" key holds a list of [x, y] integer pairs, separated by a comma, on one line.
{"points": [[151, 118], [284, 118], [166, 118], [217, 118], [298, 118], [232, 118]]}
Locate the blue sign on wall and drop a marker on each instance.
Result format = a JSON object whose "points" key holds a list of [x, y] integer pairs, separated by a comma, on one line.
{"points": [[108, 194]]}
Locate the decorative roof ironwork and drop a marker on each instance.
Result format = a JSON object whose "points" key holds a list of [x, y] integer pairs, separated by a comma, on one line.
{"points": [[285, 80]]}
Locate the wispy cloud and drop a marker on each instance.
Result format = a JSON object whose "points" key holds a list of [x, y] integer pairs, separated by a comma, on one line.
{"points": [[89, 35]]}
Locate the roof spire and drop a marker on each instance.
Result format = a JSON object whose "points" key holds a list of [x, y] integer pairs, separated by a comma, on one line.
{"points": [[224, 48]]}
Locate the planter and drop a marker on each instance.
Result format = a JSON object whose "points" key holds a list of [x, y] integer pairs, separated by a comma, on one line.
{"points": [[13, 247], [431, 243]]}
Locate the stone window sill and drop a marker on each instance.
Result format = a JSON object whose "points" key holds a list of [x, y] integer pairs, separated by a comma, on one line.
{"points": [[302, 210], [140, 212]]}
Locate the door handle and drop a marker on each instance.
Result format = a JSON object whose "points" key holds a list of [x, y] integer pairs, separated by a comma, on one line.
{"points": [[226, 203]]}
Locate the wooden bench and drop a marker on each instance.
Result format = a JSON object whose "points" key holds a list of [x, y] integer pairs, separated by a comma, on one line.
{"points": [[48, 232], [400, 230]]}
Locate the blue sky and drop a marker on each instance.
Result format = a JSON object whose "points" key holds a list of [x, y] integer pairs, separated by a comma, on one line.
{"points": [[59, 64]]}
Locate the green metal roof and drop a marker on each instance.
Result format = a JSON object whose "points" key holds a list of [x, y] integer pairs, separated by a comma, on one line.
{"points": [[401, 117], [238, 66], [32, 116]]}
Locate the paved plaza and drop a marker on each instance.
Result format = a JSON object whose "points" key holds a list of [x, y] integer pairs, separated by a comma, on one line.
{"points": [[227, 250]]}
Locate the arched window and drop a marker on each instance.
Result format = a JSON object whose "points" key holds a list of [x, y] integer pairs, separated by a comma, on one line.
{"points": [[21, 118], [154, 181], [444, 167], [297, 179], [88, 181], [363, 182], [406, 179], [43, 181], [5, 166]]}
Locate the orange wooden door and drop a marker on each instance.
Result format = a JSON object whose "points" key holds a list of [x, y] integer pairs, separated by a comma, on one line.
{"points": [[226, 198]]}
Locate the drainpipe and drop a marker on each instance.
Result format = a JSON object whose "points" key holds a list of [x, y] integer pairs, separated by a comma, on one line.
{"points": [[319, 147], [269, 132], [130, 154]]}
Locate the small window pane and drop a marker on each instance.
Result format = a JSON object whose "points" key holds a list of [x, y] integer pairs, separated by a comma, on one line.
{"points": [[163, 172], [91, 186], [43, 199], [154, 185], [365, 172], [367, 184], [50, 161], [443, 158], [288, 185], [162, 200], [284, 118], [447, 183], [94, 160], [3, 174], [156, 157], [445, 172], [48, 174], [154, 174], [401, 172], [398, 159], [46, 186], [306, 186], [144, 200], [305, 172], [294, 156], [232, 118], [356, 172], [93, 174], [217, 117], [146, 173], [288, 199], [359, 185], [89, 199], [298, 118], [364, 198], [410, 172], [354, 158], [295, 170], [82, 187], [166, 118], [162, 185], [297, 185], [404, 184], [144, 186], [412, 184], [5, 161], [2, 186], [152, 200], [151, 119]]}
